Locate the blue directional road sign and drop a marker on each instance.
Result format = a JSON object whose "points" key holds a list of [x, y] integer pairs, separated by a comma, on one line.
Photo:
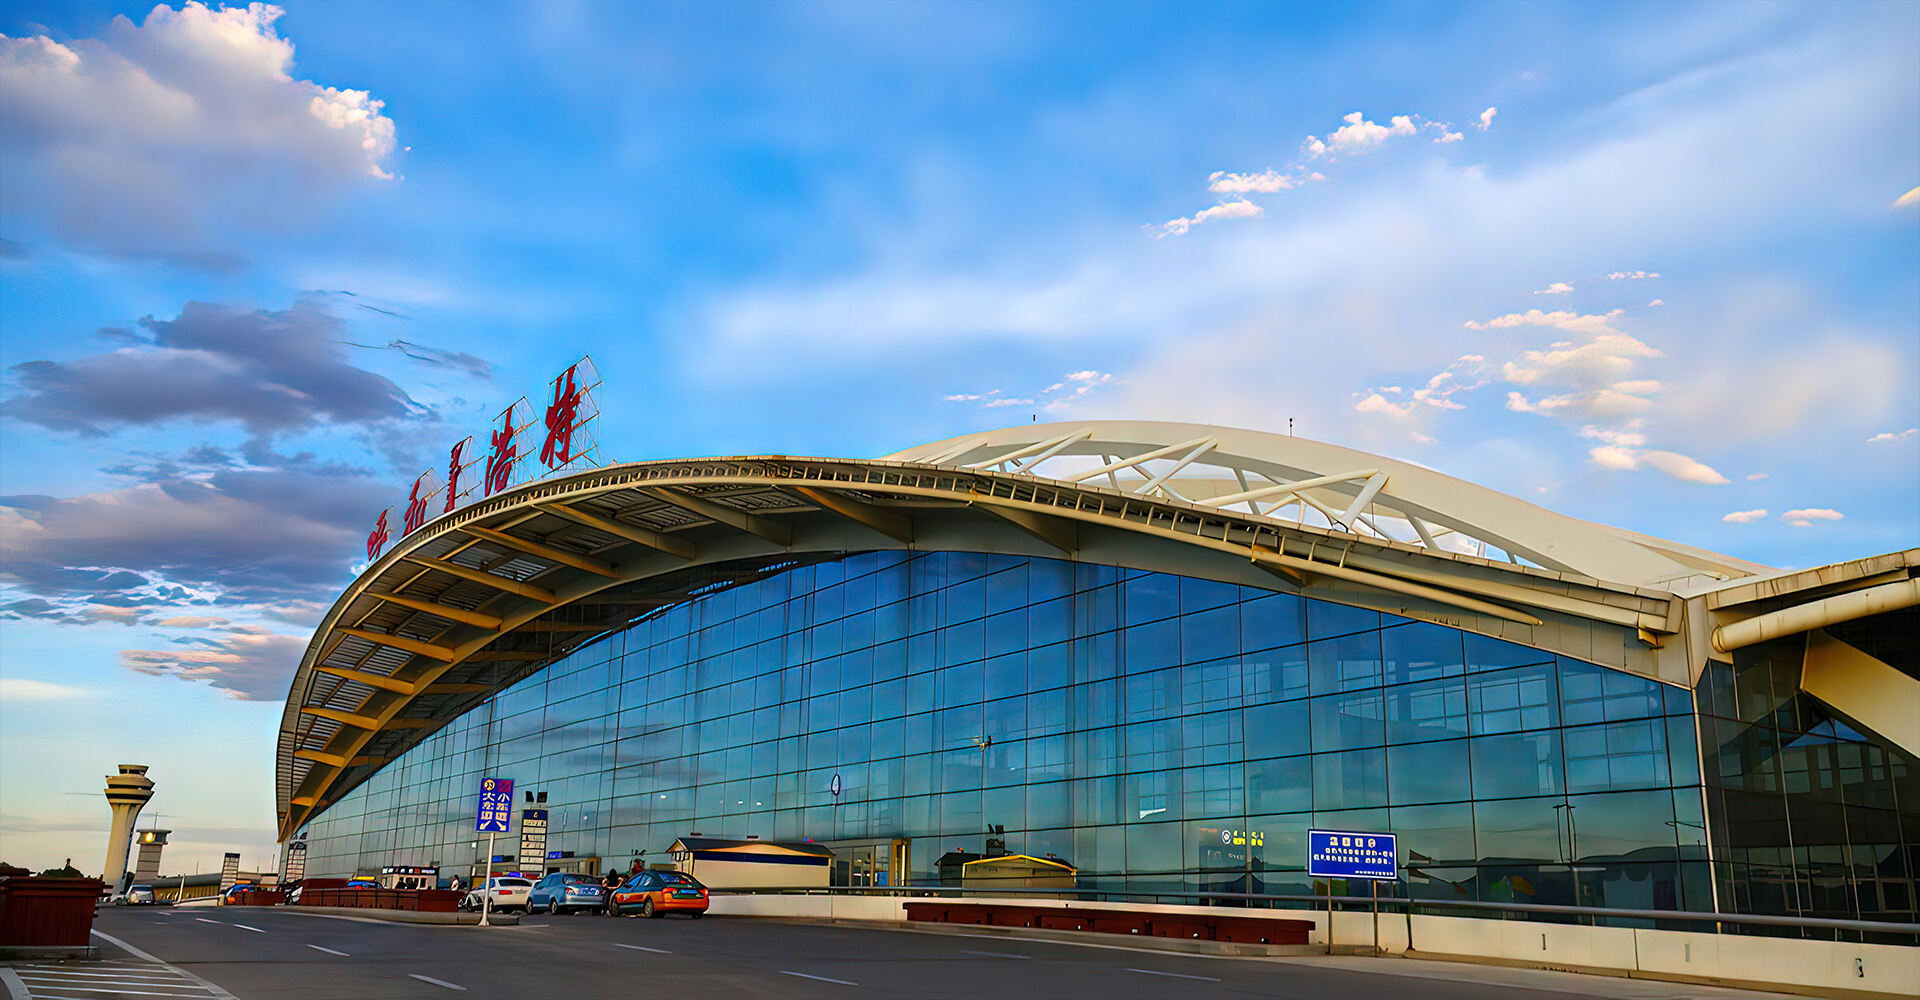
{"points": [[1346, 854], [496, 805]]}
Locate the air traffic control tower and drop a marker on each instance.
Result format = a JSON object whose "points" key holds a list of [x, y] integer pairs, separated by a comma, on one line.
{"points": [[127, 793]]}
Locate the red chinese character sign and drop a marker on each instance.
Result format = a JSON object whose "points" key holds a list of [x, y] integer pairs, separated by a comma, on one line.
{"points": [[460, 461], [377, 538], [569, 441], [504, 457], [425, 487]]}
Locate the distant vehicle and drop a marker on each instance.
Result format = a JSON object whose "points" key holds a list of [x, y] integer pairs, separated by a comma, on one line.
{"points": [[294, 896], [140, 895], [233, 892], [656, 894], [565, 892], [359, 882], [506, 892]]}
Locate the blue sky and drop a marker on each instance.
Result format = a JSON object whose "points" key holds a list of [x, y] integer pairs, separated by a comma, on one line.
{"points": [[1653, 265]]}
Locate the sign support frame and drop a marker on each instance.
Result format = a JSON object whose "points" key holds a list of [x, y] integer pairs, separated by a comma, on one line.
{"points": [[486, 885]]}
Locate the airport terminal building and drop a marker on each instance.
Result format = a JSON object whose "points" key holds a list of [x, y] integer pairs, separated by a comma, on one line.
{"points": [[1158, 653]]}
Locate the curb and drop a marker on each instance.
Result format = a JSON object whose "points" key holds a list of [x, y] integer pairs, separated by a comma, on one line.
{"points": [[48, 952]]}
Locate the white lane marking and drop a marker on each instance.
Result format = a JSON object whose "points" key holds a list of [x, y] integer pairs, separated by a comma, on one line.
{"points": [[128, 974], [206, 921], [437, 982], [75, 982], [15, 988], [1176, 975], [212, 990], [110, 993], [992, 954], [244, 927], [123, 946], [329, 951], [641, 947], [821, 979]]}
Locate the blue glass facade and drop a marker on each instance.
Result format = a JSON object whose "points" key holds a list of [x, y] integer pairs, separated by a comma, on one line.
{"points": [[1118, 719]]}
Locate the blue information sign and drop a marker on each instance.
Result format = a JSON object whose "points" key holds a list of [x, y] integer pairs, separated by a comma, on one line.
{"points": [[496, 805], [1346, 854]]}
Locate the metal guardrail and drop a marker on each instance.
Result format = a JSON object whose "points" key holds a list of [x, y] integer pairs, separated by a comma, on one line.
{"points": [[1414, 905]]}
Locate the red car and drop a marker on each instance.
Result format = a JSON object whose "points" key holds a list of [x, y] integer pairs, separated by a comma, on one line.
{"points": [[656, 894]]}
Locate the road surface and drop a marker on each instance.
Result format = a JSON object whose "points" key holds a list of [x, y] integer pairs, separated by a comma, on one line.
{"points": [[276, 954]]}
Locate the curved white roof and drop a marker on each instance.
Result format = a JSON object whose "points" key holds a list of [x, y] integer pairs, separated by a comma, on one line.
{"points": [[1296, 479]]}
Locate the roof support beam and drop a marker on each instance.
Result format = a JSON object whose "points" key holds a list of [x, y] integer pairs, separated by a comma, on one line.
{"points": [[381, 681], [494, 580], [1284, 488], [444, 654], [1367, 493], [414, 723], [452, 688], [631, 532], [354, 719], [753, 524], [491, 623], [1158, 482], [1128, 463], [895, 526], [547, 552], [1062, 535], [1263, 555], [335, 759]]}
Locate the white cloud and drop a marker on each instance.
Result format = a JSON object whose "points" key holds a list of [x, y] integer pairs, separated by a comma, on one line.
{"points": [[1682, 467], [1745, 516], [1656, 302], [1486, 118], [1616, 457], [22, 689], [1598, 363], [1446, 137], [1908, 200], [1805, 516], [1267, 182], [1613, 457], [1241, 209], [1632, 275], [1755, 476], [136, 141], [1557, 288], [1357, 136], [1571, 322], [1887, 437]]}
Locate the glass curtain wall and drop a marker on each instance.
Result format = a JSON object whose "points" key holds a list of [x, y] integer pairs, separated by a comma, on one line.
{"points": [[1810, 817], [1156, 732]]}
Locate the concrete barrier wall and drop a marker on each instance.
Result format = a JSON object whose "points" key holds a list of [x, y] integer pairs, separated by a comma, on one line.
{"points": [[1817, 967]]}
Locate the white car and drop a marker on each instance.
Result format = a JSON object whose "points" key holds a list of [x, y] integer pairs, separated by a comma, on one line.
{"points": [[506, 892]]}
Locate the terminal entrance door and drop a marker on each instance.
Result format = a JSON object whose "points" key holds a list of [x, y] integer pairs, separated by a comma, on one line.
{"points": [[579, 866], [868, 864]]}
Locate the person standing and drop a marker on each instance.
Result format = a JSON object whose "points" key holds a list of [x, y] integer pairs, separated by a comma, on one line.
{"points": [[611, 882]]}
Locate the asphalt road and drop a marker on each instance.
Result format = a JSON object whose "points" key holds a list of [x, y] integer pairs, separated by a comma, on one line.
{"points": [[269, 954]]}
